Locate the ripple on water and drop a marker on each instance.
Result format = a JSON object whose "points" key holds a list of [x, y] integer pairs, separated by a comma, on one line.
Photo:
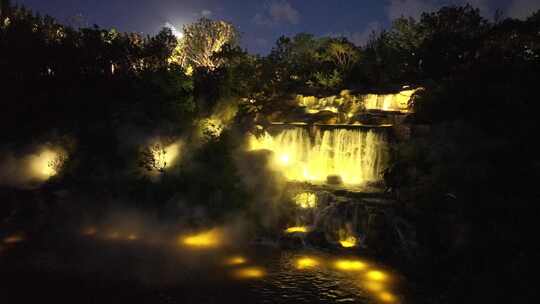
{"points": [[311, 282], [266, 277]]}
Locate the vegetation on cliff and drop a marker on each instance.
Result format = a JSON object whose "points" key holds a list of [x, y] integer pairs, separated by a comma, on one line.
{"points": [[466, 177]]}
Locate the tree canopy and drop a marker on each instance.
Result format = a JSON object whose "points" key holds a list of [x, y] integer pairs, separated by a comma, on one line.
{"points": [[202, 40]]}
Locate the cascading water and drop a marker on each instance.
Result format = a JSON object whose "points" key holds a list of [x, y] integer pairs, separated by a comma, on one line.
{"points": [[356, 155], [389, 102]]}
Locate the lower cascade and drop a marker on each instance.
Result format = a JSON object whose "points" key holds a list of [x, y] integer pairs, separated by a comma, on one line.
{"points": [[353, 156]]}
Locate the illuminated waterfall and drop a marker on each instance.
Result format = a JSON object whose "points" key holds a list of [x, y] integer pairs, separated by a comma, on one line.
{"points": [[357, 156], [389, 102]]}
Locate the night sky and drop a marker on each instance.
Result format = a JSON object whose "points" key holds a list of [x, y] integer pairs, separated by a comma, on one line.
{"points": [[261, 22]]}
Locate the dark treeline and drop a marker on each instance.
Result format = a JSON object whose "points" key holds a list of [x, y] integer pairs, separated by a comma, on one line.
{"points": [[101, 96], [467, 178], [87, 82]]}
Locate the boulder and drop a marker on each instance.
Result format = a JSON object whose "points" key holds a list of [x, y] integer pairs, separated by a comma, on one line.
{"points": [[334, 180]]}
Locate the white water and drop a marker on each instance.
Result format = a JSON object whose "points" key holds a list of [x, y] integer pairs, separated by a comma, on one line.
{"points": [[389, 102], [357, 156]]}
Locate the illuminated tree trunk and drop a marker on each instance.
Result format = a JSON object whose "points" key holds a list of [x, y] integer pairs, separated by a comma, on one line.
{"points": [[202, 40]]}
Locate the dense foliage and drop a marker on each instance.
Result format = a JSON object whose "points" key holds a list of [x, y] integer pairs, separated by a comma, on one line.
{"points": [[466, 178]]}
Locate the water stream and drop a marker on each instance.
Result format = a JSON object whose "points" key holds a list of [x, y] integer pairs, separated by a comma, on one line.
{"points": [[357, 156]]}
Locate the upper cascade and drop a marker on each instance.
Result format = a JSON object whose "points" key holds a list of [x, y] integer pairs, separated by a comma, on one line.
{"points": [[339, 139], [347, 108]]}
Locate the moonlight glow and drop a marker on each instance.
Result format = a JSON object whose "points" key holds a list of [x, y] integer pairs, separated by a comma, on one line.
{"points": [[177, 33]]}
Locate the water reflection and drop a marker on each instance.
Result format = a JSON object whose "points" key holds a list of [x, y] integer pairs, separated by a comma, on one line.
{"points": [[319, 277], [373, 286], [377, 275], [306, 262], [249, 273], [265, 273], [235, 260], [350, 265], [387, 297], [207, 239]]}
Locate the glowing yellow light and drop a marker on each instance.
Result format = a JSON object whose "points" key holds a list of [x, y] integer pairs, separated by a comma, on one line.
{"points": [[235, 260], [164, 157], [250, 273], [206, 239], [284, 159], [212, 126], [302, 229], [355, 155], [306, 200], [12, 239], [348, 242], [314, 105], [44, 164], [305, 174], [390, 102], [350, 265], [306, 262], [376, 275], [132, 237], [386, 297]]}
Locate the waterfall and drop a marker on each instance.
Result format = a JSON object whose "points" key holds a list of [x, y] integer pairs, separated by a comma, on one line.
{"points": [[356, 155], [389, 102]]}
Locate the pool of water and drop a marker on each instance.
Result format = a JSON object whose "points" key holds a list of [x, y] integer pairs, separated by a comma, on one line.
{"points": [[92, 270]]}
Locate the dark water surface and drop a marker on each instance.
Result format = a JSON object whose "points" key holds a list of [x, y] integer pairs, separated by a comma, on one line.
{"points": [[89, 270]]}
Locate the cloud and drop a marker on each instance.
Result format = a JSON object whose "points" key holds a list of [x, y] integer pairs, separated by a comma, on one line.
{"points": [[206, 13], [278, 13], [284, 12], [483, 5], [409, 8], [521, 9]]}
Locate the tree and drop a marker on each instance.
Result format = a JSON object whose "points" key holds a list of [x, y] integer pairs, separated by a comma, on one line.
{"points": [[382, 64], [160, 48], [240, 73], [452, 37], [293, 62], [341, 53], [393, 55], [201, 40]]}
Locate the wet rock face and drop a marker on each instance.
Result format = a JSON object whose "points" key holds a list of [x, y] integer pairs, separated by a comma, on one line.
{"points": [[372, 223], [345, 108], [292, 241]]}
